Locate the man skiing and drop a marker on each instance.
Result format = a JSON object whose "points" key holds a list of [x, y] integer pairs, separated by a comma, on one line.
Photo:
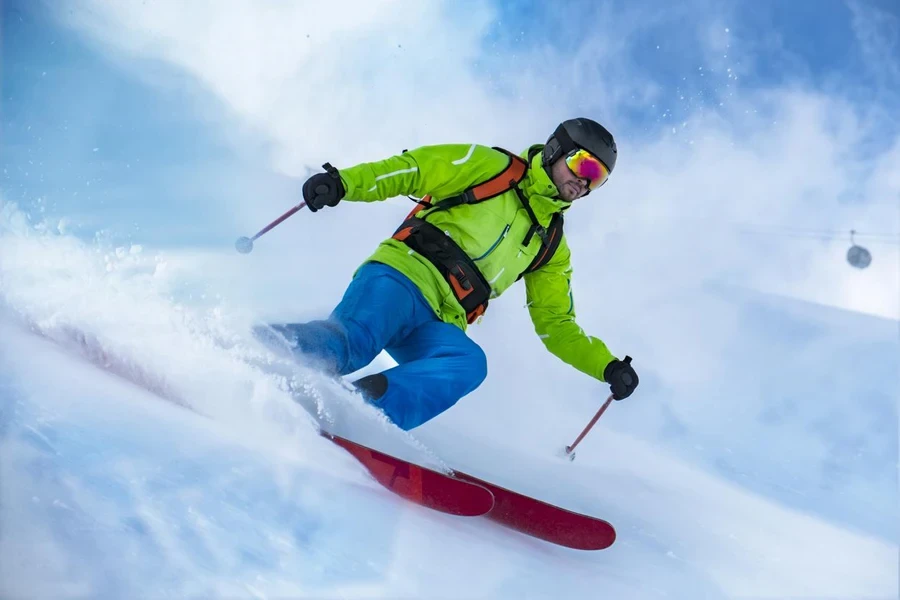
{"points": [[486, 219]]}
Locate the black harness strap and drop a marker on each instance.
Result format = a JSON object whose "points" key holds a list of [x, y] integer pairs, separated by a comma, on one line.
{"points": [[553, 235], [465, 278], [536, 227]]}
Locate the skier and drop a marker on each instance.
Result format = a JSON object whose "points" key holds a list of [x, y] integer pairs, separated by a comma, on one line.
{"points": [[486, 219]]}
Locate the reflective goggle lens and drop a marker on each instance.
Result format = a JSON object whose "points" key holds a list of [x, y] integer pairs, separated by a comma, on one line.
{"points": [[585, 165]]}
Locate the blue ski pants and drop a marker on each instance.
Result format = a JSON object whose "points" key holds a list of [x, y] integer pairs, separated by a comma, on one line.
{"points": [[383, 310]]}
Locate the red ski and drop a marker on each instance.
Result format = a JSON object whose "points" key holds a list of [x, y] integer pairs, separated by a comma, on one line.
{"points": [[546, 521], [465, 495], [421, 485]]}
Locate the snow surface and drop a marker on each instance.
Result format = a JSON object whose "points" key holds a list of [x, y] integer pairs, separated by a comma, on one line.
{"points": [[111, 491]]}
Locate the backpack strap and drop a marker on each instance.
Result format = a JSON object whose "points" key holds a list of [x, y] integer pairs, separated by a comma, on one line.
{"points": [[553, 236], [499, 184], [536, 227], [502, 182]]}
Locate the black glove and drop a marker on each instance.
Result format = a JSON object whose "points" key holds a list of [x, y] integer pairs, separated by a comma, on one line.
{"points": [[323, 189], [621, 378]]}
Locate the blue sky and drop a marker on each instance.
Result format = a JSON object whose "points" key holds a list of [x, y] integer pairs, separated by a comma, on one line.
{"points": [[180, 126], [688, 50]]}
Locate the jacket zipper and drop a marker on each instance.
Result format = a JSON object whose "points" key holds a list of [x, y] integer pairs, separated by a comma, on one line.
{"points": [[496, 243]]}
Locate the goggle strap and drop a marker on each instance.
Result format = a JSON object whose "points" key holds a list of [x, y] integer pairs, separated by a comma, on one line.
{"points": [[566, 144], [565, 140]]}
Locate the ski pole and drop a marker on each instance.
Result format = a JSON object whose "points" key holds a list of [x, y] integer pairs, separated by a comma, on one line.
{"points": [[244, 244], [570, 450]]}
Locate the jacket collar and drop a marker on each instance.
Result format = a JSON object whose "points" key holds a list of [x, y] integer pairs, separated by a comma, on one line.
{"points": [[539, 188]]}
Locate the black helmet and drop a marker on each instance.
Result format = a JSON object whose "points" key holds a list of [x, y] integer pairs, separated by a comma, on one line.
{"points": [[581, 133]]}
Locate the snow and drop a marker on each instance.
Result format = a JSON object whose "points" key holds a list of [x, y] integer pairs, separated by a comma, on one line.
{"points": [[111, 491]]}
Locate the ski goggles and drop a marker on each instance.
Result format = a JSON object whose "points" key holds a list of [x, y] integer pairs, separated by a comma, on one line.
{"points": [[585, 165]]}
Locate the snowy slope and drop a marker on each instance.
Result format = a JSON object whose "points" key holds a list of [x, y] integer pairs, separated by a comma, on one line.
{"points": [[111, 491]]}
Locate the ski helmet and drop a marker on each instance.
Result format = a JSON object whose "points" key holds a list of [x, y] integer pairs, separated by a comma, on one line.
{"points": [[581, 133]]}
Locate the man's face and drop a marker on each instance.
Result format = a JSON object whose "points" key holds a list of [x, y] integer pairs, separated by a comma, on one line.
{"points": [[570, 187]]}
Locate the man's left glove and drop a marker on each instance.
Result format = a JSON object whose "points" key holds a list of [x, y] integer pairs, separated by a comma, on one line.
{"points": [[323, 189], [621, 378]]}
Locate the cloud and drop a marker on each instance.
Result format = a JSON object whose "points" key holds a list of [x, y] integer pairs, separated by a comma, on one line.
{"points": [[314, 79]]}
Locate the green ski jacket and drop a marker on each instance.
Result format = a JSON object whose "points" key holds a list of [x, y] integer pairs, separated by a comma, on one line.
{"points": [[491, 232]]}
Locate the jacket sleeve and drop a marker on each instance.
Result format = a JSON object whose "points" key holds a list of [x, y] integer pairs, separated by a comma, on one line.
{"points": [[552, 310], [441, 171]]}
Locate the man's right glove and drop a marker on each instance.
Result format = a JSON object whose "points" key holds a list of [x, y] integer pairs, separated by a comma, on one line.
{"points": [[323, 189], [621, 378]]}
